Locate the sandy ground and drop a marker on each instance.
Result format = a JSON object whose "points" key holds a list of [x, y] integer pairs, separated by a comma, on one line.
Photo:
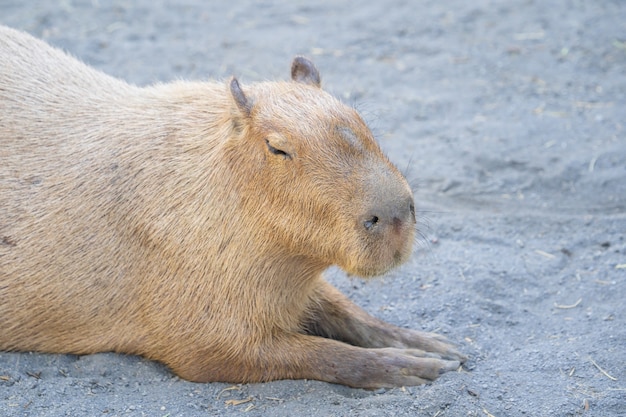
{"points": [[509, 119]]}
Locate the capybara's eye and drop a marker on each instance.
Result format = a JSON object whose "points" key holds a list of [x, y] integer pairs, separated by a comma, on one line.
{"points": [[277, 151]]}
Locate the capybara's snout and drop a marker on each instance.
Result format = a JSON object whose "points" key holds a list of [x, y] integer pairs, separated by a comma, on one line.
{"points": [[393, 215]]}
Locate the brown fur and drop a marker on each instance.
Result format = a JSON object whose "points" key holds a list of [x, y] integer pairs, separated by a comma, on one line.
{"points": [[191, 222]]}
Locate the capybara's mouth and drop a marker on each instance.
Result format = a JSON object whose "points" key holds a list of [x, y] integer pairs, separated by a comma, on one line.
{"points": [[382, 258]]}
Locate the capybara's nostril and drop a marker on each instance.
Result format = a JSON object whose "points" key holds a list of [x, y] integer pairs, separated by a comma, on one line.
{"points": [[370, 223], [412, 209]]}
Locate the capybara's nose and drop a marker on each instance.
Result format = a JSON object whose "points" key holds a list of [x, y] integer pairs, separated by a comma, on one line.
{"points": [[395, 213]]}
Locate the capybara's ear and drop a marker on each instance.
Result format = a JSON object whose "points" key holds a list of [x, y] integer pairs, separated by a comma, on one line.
{"points": [[240, 98], [303, 71]]}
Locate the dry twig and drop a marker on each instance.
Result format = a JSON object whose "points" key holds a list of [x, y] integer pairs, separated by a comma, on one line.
{"points": [[238, 402], [234, 387], [565, 307], [545, 254], [612, 378]]}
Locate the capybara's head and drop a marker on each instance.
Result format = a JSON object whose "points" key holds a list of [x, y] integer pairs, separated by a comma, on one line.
{"points": [[315, 180]]}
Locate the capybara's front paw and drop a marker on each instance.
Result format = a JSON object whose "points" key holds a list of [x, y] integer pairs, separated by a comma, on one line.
{"points": [[406, 367], [431, 343]]}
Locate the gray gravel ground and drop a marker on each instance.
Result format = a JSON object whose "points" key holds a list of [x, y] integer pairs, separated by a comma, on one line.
{"points": [[508, 117]]}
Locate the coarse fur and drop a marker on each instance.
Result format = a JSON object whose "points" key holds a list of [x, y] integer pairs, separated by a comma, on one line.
{"points": [[190, 223]]}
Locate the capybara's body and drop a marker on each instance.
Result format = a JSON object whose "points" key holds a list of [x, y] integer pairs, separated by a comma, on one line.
{"points": [[191, 222]]}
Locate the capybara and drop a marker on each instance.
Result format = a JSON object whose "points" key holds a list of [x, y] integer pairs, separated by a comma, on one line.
{"points": [[190, 223]]}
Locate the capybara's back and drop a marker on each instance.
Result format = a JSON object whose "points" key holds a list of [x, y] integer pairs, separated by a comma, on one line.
{"points": [[190, 223]]}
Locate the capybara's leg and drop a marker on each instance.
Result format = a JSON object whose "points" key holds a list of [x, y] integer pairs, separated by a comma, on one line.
{"points": [[298, 356], [334, 316]]}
